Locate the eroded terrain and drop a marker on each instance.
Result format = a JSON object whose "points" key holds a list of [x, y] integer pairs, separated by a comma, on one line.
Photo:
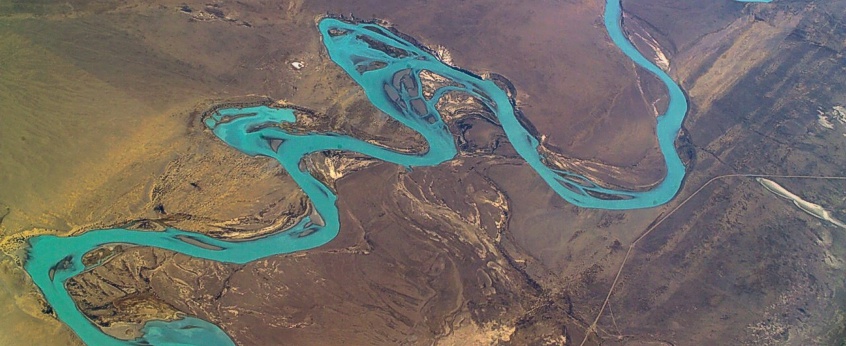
{"points": [[477, 250]]}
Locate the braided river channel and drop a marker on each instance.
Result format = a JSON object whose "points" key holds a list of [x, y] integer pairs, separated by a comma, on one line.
{"points": [[387, 67]]}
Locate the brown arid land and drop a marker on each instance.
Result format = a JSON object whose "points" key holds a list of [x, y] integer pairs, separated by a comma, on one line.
{"points": [[101, 126]]}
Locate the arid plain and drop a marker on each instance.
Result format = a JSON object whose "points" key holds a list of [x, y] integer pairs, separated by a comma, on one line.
{"points": [[101, 126]]}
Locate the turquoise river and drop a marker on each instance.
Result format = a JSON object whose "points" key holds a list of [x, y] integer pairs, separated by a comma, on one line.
{"points": [[390, 79]]}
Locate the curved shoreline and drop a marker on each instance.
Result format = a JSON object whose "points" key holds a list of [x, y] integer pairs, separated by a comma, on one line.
{"points": [[52, 260]]}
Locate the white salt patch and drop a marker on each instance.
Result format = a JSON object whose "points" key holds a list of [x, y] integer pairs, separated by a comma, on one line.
{"points": [[813, 209], [839, 113], [824, 122]]}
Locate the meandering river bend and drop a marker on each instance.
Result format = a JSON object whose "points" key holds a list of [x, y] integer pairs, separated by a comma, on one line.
{"points": [[387, 67]]}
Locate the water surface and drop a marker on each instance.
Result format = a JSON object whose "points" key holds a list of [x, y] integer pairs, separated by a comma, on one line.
{"points": [[387, 68]]}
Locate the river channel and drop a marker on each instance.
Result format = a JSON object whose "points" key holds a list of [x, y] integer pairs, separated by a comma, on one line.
{"points": [[387, 67]]}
